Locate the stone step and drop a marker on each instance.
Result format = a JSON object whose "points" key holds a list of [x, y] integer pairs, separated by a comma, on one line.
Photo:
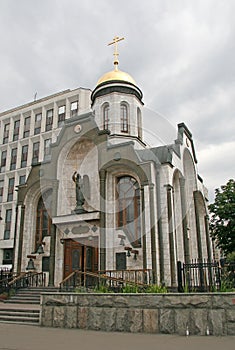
{"points": [[19, 312], [22, 301], [20, 316], [29, 295], [25, 296]]}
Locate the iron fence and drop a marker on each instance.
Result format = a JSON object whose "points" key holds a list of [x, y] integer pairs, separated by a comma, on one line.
{"points": [[199, 276]]}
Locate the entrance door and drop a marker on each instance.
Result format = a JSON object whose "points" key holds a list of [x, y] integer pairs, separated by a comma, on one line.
{"points": [[79, 256]]}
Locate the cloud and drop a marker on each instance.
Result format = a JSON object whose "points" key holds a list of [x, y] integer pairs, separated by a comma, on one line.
{"points": [[181, 53], [216, 162]]}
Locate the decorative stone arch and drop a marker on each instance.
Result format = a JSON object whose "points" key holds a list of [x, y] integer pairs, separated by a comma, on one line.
{"points": [[28, 216], [190, 186], [108, 172], [201, 218], [178, 215], [189, 171], [81, 155]]}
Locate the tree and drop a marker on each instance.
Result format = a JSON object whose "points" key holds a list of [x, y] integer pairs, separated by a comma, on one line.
{"points": [[222, 222]]}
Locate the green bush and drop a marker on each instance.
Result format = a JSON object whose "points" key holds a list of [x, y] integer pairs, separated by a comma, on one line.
{"points": [[154, 288], [102, 289]]}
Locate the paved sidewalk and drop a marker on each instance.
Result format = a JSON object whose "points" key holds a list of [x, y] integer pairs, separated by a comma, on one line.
{"points": [[20, 337]]}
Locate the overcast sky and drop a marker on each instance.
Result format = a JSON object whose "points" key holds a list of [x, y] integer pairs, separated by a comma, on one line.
{"points": [[180, 52]]}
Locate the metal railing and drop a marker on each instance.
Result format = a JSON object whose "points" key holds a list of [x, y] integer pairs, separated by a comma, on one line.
{"points": [[199, 276], [142, 276], [23, 280], [112, 279]]}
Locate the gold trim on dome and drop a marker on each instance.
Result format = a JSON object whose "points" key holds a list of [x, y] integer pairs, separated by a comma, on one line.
{"points": [[116, 75]]}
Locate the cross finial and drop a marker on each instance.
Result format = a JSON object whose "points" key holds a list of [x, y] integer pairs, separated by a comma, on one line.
{"points": [[115, 41]]}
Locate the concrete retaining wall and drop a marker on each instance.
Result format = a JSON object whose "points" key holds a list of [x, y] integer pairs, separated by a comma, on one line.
{"points": [[147, 313]]}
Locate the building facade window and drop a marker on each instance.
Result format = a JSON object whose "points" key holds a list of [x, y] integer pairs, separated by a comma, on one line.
{"points": [[35, 158], [3, 161], [61, 115], [7, 230], [24, 156], [139, 123], [13, 159], [49, 119], [27, 126], [43, 225], [11, 185], [73, 108], [128, 213], [6, 133], [47, 147], [7, 256], [37, 125], [16, 130], [124, 118], [1, 190], [22, 179], [106, 117]]}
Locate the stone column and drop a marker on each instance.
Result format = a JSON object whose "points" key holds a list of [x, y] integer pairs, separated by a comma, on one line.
{"points": [[208, 239], [143, 228], [55, 184], [184, 221], [102, 220], [171, 235], [159, 227], [196, 197], [153, 232], [15, 237], [21, 238]]}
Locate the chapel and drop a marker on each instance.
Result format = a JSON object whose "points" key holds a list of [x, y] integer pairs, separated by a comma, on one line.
{"points": [[96, 197]]}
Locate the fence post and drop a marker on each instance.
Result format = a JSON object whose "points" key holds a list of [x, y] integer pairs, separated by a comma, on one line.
{"points": [[179, 277]]}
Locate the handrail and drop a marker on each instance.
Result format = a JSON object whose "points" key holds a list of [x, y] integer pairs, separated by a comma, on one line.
{"points": [[68, 277], [17, 278], [72, 280], [25, 279]]}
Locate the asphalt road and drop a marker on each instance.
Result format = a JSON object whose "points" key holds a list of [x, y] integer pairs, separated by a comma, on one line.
{"points": [[21, 337]]}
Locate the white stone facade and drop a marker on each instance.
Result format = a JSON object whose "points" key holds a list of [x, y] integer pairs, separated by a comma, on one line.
{"points": [[168, 208]]}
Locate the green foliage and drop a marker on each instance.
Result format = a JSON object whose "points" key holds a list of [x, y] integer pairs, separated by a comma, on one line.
{"points": [[80, 290], [154, 288], [102, 289], [222, 223], [130, 289], [11, 292], [230, 257]]}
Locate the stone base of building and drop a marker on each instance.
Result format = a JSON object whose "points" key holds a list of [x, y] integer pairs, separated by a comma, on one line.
{"points": [[195, 314]]}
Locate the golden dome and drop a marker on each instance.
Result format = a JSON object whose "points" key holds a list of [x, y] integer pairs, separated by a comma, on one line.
{"points": [[116, 75]]}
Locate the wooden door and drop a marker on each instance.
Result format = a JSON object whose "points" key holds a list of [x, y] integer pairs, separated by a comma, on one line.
{"points": [[78, 256]]}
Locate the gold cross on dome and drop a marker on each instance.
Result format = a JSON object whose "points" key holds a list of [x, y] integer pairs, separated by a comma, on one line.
{"points": [[115, 41]]}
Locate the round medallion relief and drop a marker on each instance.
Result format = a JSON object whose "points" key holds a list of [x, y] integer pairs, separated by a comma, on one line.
{"points": [[77, 128]]}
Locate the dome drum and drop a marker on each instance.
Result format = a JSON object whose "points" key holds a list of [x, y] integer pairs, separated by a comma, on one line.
{"points": [[109, 87]]}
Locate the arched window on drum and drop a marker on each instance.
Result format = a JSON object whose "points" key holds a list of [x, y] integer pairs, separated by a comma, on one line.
{"points": [[106, 116], [124, 118]]}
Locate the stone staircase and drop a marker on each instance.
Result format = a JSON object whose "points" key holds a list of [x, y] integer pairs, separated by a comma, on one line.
{"points": [[24, 306], [19, 316]]}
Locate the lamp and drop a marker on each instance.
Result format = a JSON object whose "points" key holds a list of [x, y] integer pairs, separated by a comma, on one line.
{"points": [[40, 249], [62, 240], [129, 250], [30, 265], [122, 238], [135, 252]]}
